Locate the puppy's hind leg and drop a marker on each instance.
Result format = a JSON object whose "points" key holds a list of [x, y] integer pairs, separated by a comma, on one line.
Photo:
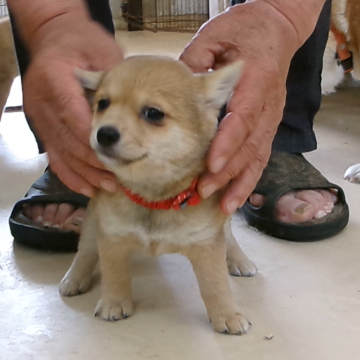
{"points": [[77, 280], [237, 261]]}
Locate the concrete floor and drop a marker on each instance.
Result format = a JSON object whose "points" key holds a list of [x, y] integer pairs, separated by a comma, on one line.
{"points": [[306, 295]]}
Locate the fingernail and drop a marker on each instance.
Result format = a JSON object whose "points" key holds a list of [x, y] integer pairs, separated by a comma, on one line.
{"points": [[86, 192], [320, 214], [47, 223], [232, 206], [208, 190], [39, 219], [218, 165], [301, 208], [57, 226], [108, 185]]}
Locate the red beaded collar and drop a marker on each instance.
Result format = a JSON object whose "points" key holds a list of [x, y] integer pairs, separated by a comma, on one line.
{"points": [[188, 197]]}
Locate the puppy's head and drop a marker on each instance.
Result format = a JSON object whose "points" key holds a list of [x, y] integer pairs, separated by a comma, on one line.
{"points": [[154, 119]]}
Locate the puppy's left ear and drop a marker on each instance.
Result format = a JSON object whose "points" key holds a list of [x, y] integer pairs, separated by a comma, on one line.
{"points": [[89, 80], [218, 85]]}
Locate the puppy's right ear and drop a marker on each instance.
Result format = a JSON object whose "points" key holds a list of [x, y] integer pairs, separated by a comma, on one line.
{"points": [[219, 84], [89, 80]]}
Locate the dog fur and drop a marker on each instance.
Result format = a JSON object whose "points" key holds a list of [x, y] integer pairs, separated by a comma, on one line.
{"points": [[8, 63], [158, 161], [352, 174], [345, 17], [332, 73]]}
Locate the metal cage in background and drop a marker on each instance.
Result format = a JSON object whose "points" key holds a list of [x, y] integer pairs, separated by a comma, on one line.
{"points": [[3, 9], [166, 15]]}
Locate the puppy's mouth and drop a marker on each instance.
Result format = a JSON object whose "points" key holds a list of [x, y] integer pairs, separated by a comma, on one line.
{"points": [[114, 155]]}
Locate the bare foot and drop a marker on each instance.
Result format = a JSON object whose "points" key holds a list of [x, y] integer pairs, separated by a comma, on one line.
{"points": [[300, 206], [62, 216]]}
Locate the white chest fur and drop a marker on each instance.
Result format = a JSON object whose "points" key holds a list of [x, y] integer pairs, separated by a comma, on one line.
{"points": [[121, 217]]}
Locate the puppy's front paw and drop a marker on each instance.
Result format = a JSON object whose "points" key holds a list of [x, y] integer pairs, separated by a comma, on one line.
{"points": [[230, 322], [241, 266], [109, 310], [352, 174], [71, 287]]}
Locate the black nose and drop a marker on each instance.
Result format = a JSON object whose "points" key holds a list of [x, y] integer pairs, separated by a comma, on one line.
{"points": [[107, 136]]}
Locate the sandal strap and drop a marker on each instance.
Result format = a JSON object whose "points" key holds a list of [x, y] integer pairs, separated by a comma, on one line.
{"points": [[49, 189]]}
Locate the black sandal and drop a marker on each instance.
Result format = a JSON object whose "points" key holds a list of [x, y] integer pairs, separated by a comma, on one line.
{"points": [[47, 189], [287, 172]]}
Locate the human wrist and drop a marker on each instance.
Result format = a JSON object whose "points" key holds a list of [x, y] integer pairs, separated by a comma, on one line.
{"points": [[302, 14], [278, 26], [34, 19]]}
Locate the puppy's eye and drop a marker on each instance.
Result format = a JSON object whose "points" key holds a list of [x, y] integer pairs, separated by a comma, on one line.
{"points": [[103, 104], [152, 115]]}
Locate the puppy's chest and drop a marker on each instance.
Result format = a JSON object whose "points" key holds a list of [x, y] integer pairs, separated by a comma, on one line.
{"points": [[185, 226]]}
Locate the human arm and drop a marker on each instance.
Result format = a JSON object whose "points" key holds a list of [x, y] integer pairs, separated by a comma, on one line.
{"points": [[266, 38], [61, 36]]}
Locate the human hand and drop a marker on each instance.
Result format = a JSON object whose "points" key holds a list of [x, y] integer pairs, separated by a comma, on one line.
{"points": [[258, 34], [55, 101]]}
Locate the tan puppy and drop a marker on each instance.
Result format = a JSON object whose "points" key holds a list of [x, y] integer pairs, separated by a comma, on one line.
{"points": [[8, 64], [152, 126]]}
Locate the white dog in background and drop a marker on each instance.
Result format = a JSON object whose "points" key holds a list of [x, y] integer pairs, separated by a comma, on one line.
{"points": [[332, 73], [352, 174]]}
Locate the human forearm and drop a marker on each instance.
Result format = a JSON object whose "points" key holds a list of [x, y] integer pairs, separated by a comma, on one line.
{"points": [[32, 15]]}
